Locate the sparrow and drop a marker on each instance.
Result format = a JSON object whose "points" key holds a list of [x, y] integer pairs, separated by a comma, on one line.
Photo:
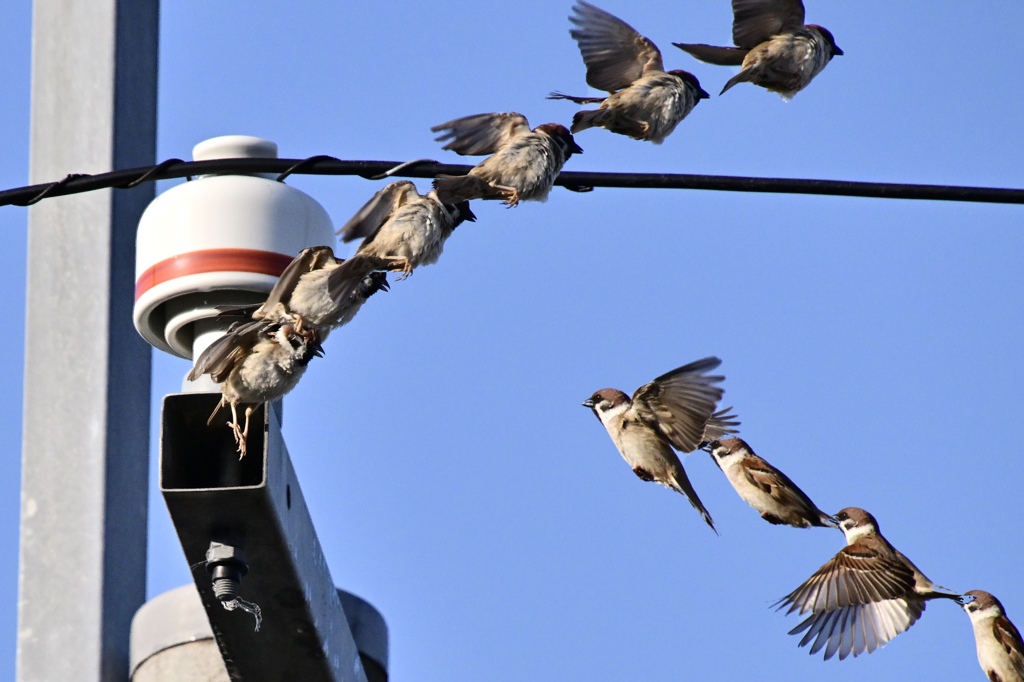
{"points": [[1000, 649], [676, 410], [300, 297], [864, 596], [255, 362], [401, 231], [774, 47], [645, 101], [777, 499], [523, 162]]}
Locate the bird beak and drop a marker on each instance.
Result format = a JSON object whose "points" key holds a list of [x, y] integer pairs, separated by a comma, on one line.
{"points": [[467, 214], [832, 521], [385, 285], [836, 52], [705, 446], [702, 93], [588, 403], [575, 148]]}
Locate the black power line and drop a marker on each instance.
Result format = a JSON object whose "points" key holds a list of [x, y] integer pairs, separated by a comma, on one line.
{"points": [[579, 181]]}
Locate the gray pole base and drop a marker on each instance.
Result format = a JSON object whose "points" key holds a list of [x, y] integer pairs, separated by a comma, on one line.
{"points": [[171, 639]]}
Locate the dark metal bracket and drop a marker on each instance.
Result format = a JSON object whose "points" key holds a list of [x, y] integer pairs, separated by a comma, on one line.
{"points": [[256, 505]]}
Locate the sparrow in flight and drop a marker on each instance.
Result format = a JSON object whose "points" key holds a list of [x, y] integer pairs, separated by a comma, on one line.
{"points": [[1000, 650], [401, 230], [864, 596], [301, 298], [775, 497], [255, 362], [645, 102], [773, 46], [676, 410], [523, 163]]}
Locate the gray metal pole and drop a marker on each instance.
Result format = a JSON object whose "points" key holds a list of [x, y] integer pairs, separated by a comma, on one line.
{"points": [[86, 425]]}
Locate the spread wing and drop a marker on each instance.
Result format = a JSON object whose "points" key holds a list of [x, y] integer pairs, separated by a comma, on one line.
{"points": [[312, 258], [221, 356], [481, 133], [1009, 641], [856, 576], [680, 403], [858, 602], [376, 211], [615, 54], [755, 21], [858, 629]]}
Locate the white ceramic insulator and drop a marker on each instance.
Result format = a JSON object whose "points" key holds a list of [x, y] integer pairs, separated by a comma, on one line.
{"points": [[215, 241]]}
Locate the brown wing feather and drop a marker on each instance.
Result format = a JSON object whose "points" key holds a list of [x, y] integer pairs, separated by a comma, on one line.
{"points": [[614, 52], [680, 403], [854, 576], [721, 424], [221, 356], [777, 484], [480, 134], [376, 211], [1008, 637], [755, 21], [312, 258]]}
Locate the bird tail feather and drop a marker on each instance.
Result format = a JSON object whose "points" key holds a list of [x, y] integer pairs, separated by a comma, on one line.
{"points": [[722, 56], [453, 189], [588, 118], [577, 100], [741, 77]]}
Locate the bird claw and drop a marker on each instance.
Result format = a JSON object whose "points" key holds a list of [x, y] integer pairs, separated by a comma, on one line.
{"points": [[512, 198], [405, 268], [240, 438]]}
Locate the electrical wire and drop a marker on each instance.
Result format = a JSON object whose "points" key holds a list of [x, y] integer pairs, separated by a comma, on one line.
{"points": [[579, 181]]}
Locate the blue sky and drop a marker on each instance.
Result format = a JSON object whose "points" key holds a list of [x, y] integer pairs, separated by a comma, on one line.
{"points": [[871, 347]]}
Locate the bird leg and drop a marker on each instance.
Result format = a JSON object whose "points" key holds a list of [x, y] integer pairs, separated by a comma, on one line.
{"points": [[245, 432], [233, 425], [399, 264], [509, 194]]}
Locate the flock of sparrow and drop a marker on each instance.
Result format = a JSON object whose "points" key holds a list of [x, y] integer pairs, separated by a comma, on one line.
{"points": [[860, 599]]}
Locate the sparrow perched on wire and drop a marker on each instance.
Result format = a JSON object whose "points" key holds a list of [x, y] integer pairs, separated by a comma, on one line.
{"points": [[646, 102], [774, 47], [523, 163], [775, 497], [864, 596], [255, 362], [676, 410], [401, 231], [301, 297], [1000, 649]]}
